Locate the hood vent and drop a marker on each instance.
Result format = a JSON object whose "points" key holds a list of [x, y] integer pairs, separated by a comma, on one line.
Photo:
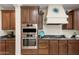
{"points": [[56, 15]]}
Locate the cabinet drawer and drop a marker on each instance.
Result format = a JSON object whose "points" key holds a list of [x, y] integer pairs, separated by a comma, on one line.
{"points": [[43, 43], [29, 51], [43, 52]]}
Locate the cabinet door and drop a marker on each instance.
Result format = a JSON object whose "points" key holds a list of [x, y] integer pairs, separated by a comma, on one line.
{"points": [[43, 47], [53, 47], [5, 20], [2, 47], [76, 19], [12, 23], [43, 44], [10, 47], [63, 47], [33, 15], [73, 47], [40, 22], [70, 21], [29, 51], [24, 15]]}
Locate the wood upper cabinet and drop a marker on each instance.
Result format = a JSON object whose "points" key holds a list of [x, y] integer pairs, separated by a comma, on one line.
{"points": [[33, 13], [73, 47], [29, 14], [53, 50], [63, 47], [12, 22], [8, 19], [76, 19], [43, 47], [73, 20], [70, 21], [25, 15], [2, 47], [5, 20], [10, 47]]}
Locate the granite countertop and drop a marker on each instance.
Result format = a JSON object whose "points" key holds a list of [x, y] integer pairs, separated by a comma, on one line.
{"points": [[6, 38], [61, 37], [58, 38]]}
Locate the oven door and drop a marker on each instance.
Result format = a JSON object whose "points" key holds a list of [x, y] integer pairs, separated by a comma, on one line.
{"points": [[29, 43]]}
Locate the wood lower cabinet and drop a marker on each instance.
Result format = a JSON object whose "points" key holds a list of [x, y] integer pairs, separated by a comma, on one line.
{"points": [[2, 47], [54, 47], [43, 44], [7, 47], [43, 51], [29, 51], [63, 47], [53, 50], [73, 47], [43, 47], [10, 47]]}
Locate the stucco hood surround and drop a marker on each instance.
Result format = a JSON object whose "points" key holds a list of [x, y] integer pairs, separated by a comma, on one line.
{"points": [[56, 15]]}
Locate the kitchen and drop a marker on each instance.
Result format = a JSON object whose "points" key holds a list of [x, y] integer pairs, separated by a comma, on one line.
{"points": [[39, 29]]}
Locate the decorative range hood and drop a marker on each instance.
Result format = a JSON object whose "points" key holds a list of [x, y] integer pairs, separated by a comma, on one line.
{"points": [[56, 15]]}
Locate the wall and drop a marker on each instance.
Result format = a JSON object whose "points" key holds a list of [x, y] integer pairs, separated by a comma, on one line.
{"points": [[0, 20]]}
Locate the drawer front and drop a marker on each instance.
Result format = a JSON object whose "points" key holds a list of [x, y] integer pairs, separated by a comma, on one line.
{"points": [[43, 52], [29, 51]]}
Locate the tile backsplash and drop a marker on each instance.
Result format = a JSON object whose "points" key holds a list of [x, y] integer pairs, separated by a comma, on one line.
{"points": [[57, 30], [6, 32], [69, 33], [52, 29]]}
